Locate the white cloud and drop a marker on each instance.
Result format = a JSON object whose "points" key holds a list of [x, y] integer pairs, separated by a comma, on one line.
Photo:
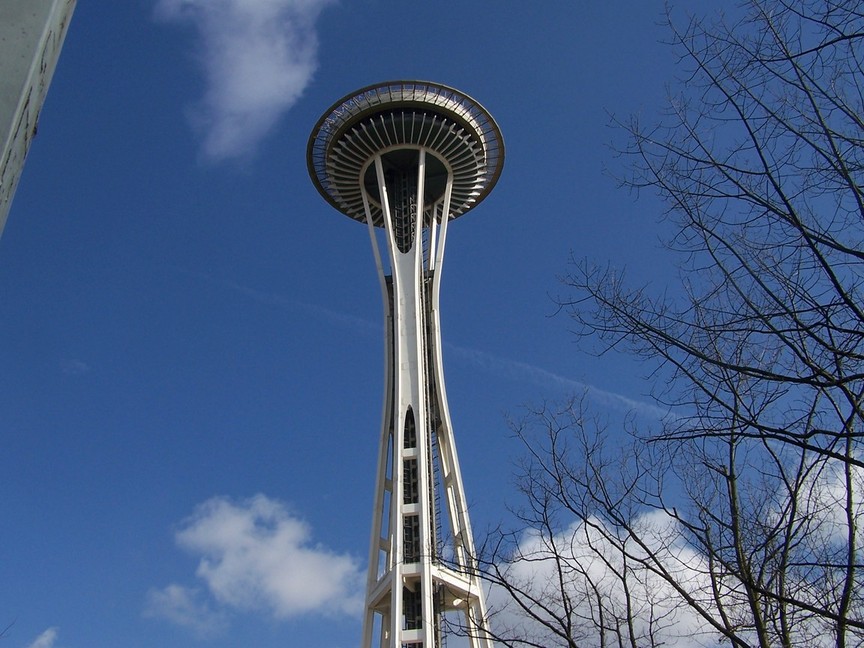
{"points": [[257, 56], [45, 640], [824, 501], [588, 556], [256, 556], [183, 606], [592, 570]]}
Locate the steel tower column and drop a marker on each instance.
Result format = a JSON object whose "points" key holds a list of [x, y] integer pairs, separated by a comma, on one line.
{"points": [[406, 158]]}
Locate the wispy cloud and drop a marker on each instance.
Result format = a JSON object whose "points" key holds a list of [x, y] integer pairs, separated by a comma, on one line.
{"points": [[185, 607], [327, 314], [74, 367], [45, 640], [257, 56], [255, 556]]}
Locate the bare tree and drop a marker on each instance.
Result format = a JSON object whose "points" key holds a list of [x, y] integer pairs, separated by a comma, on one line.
{"points": [[574, 575], [740, 519]]}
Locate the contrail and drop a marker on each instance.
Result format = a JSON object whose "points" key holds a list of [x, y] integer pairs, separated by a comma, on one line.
{"points": [[489, 363], [517, 370]]}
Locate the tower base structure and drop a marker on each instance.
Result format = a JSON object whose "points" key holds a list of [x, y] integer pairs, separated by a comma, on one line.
{"points": [[406, 158]]}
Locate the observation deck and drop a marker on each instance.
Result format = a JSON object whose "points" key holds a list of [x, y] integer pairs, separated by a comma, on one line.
{"points": [[390, 119]]}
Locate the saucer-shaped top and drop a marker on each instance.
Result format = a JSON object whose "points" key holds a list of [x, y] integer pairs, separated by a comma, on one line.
{"points": [[392, 119]]}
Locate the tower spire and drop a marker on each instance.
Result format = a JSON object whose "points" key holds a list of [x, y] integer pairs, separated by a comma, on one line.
{"points": [[406, 157]]}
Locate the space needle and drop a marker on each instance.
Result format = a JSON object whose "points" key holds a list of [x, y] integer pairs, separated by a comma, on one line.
{"points": [[406, 158]]}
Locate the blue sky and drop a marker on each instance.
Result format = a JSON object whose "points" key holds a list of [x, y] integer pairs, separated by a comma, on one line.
{"points": [[190, 338]]}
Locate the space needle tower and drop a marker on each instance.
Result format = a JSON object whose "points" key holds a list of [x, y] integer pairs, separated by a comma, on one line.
{"points": [[407, 157]]}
